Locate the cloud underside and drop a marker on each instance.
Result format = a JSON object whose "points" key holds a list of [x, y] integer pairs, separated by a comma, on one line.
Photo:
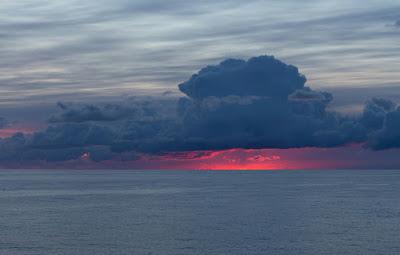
{"points": [[258, 103]]}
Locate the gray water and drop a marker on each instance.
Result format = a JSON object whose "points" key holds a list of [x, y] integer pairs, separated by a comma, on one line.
{"points": [[199, 212]]}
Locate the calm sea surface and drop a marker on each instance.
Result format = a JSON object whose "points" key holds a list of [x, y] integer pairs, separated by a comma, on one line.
{"points": [[199, 212]]}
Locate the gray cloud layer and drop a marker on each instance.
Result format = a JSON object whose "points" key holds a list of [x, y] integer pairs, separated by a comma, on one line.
{"points": [[110, 48], [259, 103]]}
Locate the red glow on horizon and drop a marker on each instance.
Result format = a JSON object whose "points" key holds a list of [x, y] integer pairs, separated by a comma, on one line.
{"points": [[256, 159], [231, 166], [348, 157], [232, 159], [24, 128], [9, 132]]}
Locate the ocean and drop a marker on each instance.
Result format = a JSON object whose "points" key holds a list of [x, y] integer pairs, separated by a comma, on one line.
{"points": [[199, 212]]}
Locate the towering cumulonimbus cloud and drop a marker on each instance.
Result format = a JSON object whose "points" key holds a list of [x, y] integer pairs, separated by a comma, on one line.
{"points": [[260, 76], [258, 103]]}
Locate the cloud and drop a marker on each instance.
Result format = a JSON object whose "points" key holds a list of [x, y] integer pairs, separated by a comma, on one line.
{"points": [[3, 122], [381, 121], [375, 112], [261, 76], [12, 148], [107, 112], [59, 143], [397, 23], [72, 135], [259, 103], [254, 104], [388, 136], [102, 132], [75, 46]]}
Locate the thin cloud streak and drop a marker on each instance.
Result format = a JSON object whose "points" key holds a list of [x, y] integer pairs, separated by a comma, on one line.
{"points": [[95, 45]]}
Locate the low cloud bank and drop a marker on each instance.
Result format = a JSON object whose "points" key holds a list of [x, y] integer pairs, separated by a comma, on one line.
{"points": [[258, 103]]}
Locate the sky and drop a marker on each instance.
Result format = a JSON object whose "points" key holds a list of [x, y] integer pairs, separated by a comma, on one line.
{"points": [[121, 71]]}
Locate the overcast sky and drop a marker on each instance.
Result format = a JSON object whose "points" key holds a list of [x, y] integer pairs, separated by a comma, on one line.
{"points": [[109, 82], [74, 50]]}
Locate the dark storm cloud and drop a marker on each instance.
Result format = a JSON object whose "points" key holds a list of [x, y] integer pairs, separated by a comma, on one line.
{"points": [[261, 103], [258, 103], [72, 135], [12, 148], [389, 135], [3, 122], [98, 132], [375, 112], [139, 110], [383, 117], [264, 76], [59, 143]]}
